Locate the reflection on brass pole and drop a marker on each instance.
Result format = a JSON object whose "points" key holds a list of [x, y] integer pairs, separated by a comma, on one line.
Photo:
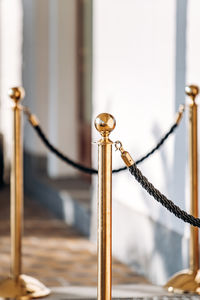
{"points": [[16, 184], [193, 91], [104, 123]]}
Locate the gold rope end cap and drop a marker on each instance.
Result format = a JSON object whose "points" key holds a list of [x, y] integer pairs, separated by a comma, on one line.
{"points": [[105, 124], [33, 120], [16, 94], [127, 159]]}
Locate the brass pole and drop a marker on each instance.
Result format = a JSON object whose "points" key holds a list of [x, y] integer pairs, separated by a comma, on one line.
{"points": [[189, 280], [18, 286], [16, 184], [104, 123], [193, 91]]}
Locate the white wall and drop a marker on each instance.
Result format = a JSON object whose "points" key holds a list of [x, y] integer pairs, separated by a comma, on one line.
{"points": [[193, 44], [49, 76], [136, 78], [35, 69], [62, 116]]}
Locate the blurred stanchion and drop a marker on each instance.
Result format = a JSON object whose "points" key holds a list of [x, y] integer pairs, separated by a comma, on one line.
{"points": [[1, 161], [189, 280], [104, 123], [18, 286]]}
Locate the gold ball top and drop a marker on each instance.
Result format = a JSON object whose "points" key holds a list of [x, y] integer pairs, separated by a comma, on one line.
{"points": [[192, 90], [105, 123], [16, 93]]}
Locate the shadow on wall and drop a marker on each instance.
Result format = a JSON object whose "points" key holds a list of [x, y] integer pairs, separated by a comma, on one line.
{"points": [[166, 253], [150, 248], [168, 243], [180, 150]]}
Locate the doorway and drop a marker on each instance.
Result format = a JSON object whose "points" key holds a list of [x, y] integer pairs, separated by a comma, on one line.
{"points": [[84, 78]]}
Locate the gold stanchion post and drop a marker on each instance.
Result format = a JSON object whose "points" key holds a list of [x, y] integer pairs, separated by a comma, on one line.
{"points": [[18, 286], [104, 123], [188, 280]]}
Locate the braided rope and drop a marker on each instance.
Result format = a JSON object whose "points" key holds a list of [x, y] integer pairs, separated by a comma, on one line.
{"points": [[61, 155], [163, 139], [89, 170], [158, 196]]}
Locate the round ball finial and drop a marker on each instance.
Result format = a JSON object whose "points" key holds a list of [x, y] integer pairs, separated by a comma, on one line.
{"points": [[16, 93], [192, 91], [105, 123]]}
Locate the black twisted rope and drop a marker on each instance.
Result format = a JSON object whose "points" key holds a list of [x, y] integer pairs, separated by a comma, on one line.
{"points": [[158, 196], [163, 139], [61, 155], [88, 170]]}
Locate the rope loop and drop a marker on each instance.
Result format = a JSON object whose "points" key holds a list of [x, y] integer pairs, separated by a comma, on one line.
{"points": [[118, 145], [35, 124]]}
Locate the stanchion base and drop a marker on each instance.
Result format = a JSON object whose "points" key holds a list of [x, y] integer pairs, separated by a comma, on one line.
{"points": [[25, 288], [185, 281]]}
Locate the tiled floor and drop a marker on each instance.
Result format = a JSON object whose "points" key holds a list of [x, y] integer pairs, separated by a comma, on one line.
{"points": [[126, 292], [53, 252]]}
